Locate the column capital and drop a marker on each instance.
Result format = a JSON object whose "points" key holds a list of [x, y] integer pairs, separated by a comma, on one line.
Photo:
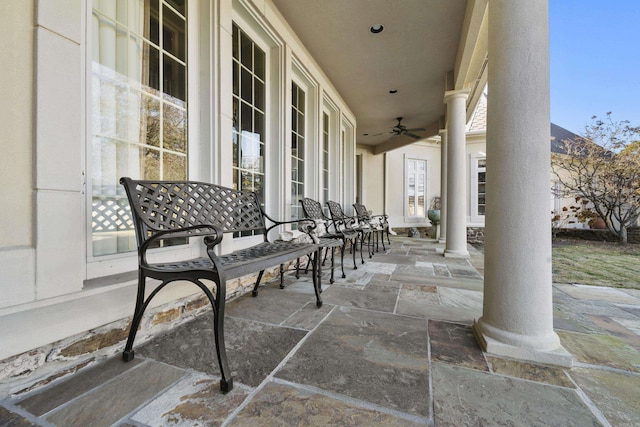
{"points": [[453, 94], [442, 132]]}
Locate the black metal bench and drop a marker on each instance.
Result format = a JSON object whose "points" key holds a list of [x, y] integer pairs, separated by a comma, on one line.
{"points": [[167, 210]]}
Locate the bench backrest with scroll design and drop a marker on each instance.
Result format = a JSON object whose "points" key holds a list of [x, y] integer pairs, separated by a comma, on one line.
{"points": [[162, 206]]}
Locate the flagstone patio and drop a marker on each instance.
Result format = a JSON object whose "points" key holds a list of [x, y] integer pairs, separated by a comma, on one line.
{"points": [[391, 346]]}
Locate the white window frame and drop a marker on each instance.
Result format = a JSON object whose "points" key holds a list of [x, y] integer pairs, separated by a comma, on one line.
{"points": [[415, 218], [250, 20], [118, 263], [302, 78], [475, 218]]}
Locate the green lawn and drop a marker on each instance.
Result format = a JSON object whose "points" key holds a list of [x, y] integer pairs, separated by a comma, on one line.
{"points": [[596, 263]]}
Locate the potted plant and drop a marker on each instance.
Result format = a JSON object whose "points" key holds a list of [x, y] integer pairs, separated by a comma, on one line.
{"points": [[434, 210]]}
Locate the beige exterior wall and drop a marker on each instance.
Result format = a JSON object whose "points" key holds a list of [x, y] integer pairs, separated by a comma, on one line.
{"points": [[373, 180], [397, 186], [16, 110], [17, 253]]}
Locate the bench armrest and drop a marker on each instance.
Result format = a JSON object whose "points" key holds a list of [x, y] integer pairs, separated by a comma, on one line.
{"points": [[208, 231], [307, 229]]}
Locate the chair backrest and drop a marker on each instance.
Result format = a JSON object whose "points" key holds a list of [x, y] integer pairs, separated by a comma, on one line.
{"points": [[336, 211], [171, 205], [312, 209], [361, 212]]}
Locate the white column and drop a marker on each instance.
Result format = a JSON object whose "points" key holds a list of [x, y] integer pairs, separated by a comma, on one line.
{"points": [[443, 185], [517, 318], [456, 244]]}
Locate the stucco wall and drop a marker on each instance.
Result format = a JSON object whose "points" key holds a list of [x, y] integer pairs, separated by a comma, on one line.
{"points": [[396, 191], [373, 180], [16, 110]]}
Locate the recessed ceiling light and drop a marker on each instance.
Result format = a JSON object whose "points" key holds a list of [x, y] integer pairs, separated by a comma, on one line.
{"points": [[393, 91], [377, 28]]}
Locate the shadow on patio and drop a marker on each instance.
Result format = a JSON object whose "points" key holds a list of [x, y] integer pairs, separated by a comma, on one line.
{"points": [[392, 346]]}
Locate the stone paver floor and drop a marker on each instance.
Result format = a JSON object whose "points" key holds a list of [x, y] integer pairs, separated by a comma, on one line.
{"points": [[391, 346]]}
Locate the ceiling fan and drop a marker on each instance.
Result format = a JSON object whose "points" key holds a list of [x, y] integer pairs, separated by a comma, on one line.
{"points": [[400, 129]]}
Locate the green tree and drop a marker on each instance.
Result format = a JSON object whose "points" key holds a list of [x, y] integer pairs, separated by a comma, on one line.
{"points": [[603, 167]]}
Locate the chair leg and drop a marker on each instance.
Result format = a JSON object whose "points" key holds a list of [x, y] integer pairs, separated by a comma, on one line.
{"points": [[333, 253], [344, 248], [361, 243], [324, 258], [255, 288]]}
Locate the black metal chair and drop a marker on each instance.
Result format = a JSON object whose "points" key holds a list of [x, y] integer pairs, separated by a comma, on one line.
{"points": [[341, 221], [313, 210], [380, 223]]}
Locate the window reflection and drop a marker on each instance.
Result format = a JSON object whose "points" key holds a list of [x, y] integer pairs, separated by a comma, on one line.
{"points": [[139, 110]]}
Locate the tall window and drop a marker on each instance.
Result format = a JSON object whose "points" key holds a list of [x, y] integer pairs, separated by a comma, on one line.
{"points": [[325, 158], [248, 114], [481, 171], [416, 187], [297, 150], [139, 108], [477, 187]]}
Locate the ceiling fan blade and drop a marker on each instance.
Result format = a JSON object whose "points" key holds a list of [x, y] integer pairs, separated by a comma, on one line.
{"points": [[413, 135], [416, 130]]}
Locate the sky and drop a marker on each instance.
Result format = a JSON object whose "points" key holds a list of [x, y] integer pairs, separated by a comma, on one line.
{"points": [[595, 61]]}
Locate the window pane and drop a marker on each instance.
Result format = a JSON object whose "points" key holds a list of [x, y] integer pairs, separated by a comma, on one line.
{"points": [[151, 57], [150, 120], [136, 132], [175, 128], [179, 5], [259, 59], [246, 51], [153, 32], [174, 79], [246, 117], [246, 86], [258, 88], [150, 163], [173, 36], [258, 125], [174, 167]]}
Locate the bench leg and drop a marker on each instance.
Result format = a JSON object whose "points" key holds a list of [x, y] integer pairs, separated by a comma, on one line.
{"points": [[317, 282], [281, 276], [218, 305], [255, 288], [128, 353]]}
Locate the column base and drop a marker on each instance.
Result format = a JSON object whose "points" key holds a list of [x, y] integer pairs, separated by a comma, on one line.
{"points": [[442, 240], [448, 253], [545, 350]]}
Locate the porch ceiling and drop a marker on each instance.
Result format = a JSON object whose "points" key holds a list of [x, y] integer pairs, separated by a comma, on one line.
{"points": [[422, 41]]}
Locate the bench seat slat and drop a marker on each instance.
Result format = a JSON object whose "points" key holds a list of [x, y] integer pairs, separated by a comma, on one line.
{"points": [[244, 261]]}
